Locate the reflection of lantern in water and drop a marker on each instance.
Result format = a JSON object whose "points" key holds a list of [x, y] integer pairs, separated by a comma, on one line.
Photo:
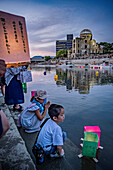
{"points": [[56, 77], [94, 129], [97, 73]]}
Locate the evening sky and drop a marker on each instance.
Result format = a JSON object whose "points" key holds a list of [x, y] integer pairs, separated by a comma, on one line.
{"points": [[51, 20]]}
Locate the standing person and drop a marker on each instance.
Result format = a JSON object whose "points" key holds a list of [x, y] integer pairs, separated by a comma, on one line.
{"points": [[13, 90], [4, 124], [2, 67], [2, 78], [51, 137], [34, 113]]}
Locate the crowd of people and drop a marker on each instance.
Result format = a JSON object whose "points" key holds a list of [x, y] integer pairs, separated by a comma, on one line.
{"points": [[32, 118]]}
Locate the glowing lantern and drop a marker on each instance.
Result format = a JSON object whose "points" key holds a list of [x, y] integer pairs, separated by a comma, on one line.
{"points": [[90, 144], [56, 77], [97, 73], [93, 129], [14, 48]]}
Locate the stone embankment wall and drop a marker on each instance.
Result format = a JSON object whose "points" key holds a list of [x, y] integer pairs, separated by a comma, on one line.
{"points": [[13, 152]]}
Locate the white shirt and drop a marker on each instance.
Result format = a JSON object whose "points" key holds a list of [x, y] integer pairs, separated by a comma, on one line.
{"points": [[29, 121], [51, 133]]}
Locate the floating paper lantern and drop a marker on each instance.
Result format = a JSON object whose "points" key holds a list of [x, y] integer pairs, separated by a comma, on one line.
{"points": [[90, 144], [56, 77], [97, 73], [93, 129]]}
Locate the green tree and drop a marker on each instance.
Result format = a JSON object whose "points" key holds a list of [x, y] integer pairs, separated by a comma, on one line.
{"points": [[107, 47], [47, 58], [61, 53]]}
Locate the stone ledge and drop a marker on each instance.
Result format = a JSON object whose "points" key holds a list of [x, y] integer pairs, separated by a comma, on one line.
{"points": [[13, 152]]}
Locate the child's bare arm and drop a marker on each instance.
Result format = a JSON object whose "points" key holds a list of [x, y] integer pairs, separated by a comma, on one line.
{"points": [[47, 105], [60, 150], [37, 112]]}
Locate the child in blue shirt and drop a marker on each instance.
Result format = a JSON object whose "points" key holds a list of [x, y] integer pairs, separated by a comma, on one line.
{"points": [[34, 113], [51, 137]]}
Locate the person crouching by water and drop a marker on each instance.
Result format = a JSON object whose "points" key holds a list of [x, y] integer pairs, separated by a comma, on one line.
{"points": [[51, 138], [32, 116]]}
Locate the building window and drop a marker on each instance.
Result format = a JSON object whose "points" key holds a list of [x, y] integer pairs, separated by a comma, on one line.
{"points": [[78, 45], [85, 41], [85, 46]]}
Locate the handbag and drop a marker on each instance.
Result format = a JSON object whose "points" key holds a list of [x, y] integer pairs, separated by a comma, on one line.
{"points": [[38, 153], [37, 148], [25, 76]]}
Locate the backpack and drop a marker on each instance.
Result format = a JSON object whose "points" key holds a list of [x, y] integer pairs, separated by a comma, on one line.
{"points": [[38, 153], [19, 115], [37, 148]]}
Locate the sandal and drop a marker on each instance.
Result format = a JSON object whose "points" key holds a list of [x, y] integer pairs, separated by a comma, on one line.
{"points": [[18, 109]]}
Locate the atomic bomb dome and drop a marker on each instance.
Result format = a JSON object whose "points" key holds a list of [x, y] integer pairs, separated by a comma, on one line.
{"points": [[85, 31], [85, 45]]}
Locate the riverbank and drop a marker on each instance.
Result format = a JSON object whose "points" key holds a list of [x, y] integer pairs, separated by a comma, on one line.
{"points": [[90, 61], [53, 62], [16, 150]]}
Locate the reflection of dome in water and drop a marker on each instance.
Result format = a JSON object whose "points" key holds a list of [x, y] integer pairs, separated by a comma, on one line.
{"points": [[86, 31]]}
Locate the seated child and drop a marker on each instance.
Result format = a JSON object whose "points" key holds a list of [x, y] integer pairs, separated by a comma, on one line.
{"points": [[34, 113], [51, 137]]}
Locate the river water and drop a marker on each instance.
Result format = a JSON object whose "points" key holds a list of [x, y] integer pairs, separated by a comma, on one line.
{"points": [[87, 97]]}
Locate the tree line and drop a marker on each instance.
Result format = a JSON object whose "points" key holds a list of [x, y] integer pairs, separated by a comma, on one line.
{"points": [[107, 49]]}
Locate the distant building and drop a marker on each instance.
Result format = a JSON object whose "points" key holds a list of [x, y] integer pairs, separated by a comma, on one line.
{"points": [[85, 45], [70, 37], [37, 59], [64, 44]]}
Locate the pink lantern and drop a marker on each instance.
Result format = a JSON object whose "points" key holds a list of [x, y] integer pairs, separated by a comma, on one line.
{"points": [[94, 129], [32, 93]]}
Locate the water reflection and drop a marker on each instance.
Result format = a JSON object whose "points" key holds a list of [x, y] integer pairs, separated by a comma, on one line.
{"points": [[95, 109], [87, 163], [83, 80]]}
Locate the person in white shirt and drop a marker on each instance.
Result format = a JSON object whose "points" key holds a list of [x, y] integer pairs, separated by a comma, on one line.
{"points": [[51, 137]]}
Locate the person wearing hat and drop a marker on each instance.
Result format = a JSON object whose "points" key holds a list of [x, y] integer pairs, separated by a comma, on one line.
{"points": [[32, 116]]}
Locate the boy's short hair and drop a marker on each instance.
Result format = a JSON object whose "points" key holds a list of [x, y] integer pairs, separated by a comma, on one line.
{"points": [[54, 110]]}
